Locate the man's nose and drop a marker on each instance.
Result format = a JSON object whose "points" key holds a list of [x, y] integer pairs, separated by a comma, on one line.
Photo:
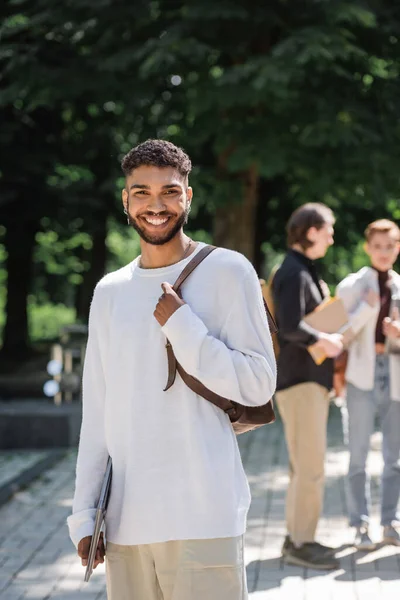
{"points": [[156, 204]]}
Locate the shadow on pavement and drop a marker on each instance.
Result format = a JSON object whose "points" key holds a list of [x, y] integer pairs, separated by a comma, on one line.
{"points": [[355, 566]]}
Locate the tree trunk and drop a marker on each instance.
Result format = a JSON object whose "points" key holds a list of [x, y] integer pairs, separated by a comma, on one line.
{"points": [[19, 244], [272, 212], [98, 257], [260, 227], [234, 223]]}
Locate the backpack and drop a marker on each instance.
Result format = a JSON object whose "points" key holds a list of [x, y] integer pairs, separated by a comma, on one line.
{"points": [[266, 288], [243, 418]]}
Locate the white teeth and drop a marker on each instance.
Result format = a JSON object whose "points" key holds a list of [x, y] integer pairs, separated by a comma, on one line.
{"points": [[156, 221]]}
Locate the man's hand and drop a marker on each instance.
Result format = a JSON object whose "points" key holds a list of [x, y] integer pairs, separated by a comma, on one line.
{"points": [[331, 344], [391, 327], [83, 550], [167, 304]]}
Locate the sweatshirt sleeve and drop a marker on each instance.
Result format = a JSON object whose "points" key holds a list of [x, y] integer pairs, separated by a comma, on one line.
{"points": [[92, 453], [240, 364], [290, 303], [359, 311]]}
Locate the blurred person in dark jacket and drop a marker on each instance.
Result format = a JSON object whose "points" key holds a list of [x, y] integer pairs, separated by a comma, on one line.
{"points": [[303, 386]]}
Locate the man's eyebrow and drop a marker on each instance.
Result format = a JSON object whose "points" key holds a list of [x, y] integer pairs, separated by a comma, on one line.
{"points": [[139, 186]]}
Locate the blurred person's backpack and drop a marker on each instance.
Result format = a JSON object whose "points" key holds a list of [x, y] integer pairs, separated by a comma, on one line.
{"points": [[266, 288], [243, 418], [339, 374]]}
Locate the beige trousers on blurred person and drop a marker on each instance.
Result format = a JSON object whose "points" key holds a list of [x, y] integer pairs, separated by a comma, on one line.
{"points": [[304, 411], [177, 570]]}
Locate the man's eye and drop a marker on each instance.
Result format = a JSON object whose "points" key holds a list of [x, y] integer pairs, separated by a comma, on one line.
{"points": [[169, 192]]}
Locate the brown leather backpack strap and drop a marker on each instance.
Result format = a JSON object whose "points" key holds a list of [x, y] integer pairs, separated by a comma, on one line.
{"points": [[190, 267], [271, 321], [196, 260], [198, 388], [171, 366], [243, 418]]}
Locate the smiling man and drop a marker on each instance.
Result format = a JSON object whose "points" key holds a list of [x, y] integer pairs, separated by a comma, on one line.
{"points": [[179, 495]]}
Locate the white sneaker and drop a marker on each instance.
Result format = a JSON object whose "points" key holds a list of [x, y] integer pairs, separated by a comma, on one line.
{"points": [[391, 534], [362, 541]]}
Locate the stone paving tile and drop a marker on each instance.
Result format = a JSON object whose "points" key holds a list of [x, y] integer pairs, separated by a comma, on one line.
{"points": [[14, 462], [38, 562]]}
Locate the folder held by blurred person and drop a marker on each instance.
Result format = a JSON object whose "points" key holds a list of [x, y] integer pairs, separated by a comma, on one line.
{"points": [[329, 317]]}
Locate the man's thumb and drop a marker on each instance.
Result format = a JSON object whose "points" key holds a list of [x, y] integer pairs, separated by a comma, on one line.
{"points": [[166, 287]]}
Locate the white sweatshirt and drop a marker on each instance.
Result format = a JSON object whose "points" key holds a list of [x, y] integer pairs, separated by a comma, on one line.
{"points": [[363, 317], [177, 471]]}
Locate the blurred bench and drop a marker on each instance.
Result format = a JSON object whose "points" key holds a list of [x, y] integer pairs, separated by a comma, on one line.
{"points": [[66, 364]]}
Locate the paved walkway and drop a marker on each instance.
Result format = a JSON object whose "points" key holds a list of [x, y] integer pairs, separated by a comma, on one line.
{"points": [[18, 468], [17, 461], [38, 562]]}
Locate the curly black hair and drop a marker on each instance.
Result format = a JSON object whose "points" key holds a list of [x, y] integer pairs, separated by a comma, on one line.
{"points": [[157, 153]]}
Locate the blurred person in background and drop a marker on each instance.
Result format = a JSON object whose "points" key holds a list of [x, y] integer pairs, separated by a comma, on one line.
{"points": [[373, 380], [303, 386]]}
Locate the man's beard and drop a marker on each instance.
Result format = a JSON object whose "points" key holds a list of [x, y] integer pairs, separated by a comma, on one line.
{"points": [[164, 238]]}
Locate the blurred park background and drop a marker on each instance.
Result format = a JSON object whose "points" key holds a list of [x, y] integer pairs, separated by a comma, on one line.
{"points": [[277, 103]]}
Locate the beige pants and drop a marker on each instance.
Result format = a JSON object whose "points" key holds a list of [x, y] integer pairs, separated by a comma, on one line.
{"points": [[177, 570], [304, 411]]}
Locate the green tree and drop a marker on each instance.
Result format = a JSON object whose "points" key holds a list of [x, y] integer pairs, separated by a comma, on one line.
{"points": [[291, 105], [276, 106], [61, 94]]}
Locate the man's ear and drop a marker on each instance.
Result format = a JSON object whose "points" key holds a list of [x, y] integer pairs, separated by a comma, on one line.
{"points": [[189, 195], [125, 200], [311, 233], [366, 248]]}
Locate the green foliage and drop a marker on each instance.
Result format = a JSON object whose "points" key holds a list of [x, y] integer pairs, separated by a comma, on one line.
{"points": [[340, 261], [47, 320], [307, 97], [272, 258], [123, 245], [61, 256]]}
